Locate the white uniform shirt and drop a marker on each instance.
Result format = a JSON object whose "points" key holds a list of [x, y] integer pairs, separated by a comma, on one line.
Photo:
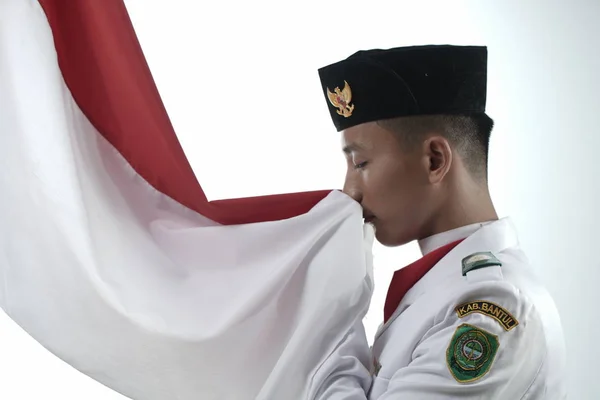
{"points": [[493, 333]]}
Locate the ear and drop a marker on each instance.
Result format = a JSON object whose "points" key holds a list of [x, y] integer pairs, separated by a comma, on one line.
{"points": [[439, 157]]}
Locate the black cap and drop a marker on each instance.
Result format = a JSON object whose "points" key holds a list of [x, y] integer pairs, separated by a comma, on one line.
{"points": [[378, 84]]}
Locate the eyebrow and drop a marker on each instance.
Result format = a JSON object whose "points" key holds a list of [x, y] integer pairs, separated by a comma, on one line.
{"points": [[352, 147]]}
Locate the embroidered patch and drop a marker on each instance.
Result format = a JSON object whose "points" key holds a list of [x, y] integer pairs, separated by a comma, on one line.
{"points": [[479, 260], [341, 100], [490, 309], [471, 353]]}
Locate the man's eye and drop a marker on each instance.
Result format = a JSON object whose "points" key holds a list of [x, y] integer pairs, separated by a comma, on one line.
{"points": [[360, 165]]}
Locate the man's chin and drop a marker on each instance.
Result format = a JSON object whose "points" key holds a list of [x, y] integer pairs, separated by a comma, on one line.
{"points": [[389, 240]]}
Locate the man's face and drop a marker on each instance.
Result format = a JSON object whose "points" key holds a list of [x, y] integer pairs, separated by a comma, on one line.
{"points": [[391, 183]]}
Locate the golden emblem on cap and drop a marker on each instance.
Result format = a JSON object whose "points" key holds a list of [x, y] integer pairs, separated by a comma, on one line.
{"points": [[341, 99]]}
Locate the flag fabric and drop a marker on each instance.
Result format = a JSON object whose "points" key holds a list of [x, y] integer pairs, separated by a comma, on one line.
{"points": [[111, 256]]}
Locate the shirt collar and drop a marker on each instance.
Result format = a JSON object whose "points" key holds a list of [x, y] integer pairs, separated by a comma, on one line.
{"points": [[436, 241]]}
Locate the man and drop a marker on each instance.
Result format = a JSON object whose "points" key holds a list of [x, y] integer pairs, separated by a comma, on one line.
{"points": [[468, 320]]}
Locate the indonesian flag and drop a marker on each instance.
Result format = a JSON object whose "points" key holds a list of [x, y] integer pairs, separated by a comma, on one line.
{"points": [[111, 256]]}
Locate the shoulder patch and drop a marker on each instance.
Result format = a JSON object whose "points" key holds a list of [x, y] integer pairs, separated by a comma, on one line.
{"points": [[490, 309], [471, 353], [479, 260]]}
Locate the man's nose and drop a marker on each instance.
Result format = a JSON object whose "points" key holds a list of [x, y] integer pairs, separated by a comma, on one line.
{"points": [[352, 189]]}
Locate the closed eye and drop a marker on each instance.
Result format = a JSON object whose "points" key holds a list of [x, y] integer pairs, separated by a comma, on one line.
{"points": [[361, 165]]}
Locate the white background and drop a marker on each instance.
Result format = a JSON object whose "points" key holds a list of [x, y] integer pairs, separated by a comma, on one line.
{"points": [[239, 80]]}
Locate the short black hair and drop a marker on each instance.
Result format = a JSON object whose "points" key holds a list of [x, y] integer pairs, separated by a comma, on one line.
{"points": [[468, 134]]}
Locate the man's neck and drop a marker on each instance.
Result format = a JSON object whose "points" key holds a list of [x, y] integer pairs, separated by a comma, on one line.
{"points": [[468, 204]]}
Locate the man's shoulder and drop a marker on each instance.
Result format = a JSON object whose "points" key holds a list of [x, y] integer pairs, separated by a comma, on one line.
{"points": [[501, 294], [489, 323], [506, 277]]}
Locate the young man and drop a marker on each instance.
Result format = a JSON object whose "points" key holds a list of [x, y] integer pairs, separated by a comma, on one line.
{"points": [[469, 320]]}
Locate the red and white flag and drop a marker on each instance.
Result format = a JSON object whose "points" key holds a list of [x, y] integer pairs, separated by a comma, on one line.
{"points": [[110, 254]]}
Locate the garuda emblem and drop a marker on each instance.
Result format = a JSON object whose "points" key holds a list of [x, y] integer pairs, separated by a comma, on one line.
{"points": [[341, 99]]}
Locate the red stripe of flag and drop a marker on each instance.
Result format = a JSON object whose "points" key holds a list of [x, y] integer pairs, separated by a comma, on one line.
{"points": [[105, 69]]}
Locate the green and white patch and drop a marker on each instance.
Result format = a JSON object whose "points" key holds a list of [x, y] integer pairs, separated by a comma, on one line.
{"points": [[479, 260], [471, 353]]}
